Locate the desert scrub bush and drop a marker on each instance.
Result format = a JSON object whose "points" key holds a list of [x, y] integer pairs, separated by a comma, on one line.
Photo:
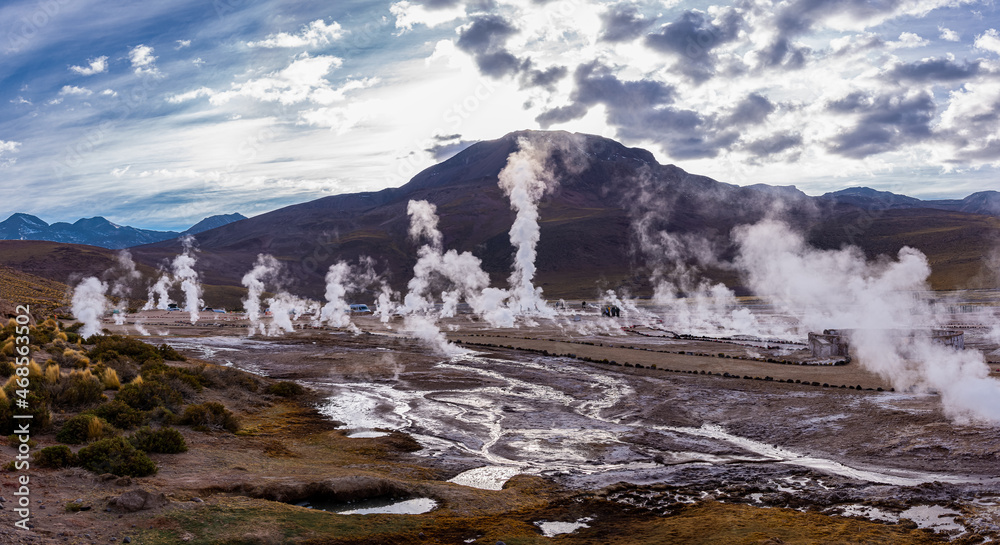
{"points": [[52, 373], [72, 358], [162, 441], [14, 440], [192, 380], [37, 397], [167, 352], [55, 457], [110, 379], [120, 415], [285, 389], [150, 394], [123, 365], [209, 416], [134, 349], [35, 372], [85, 427], [6, 368], [227, 377], [79, 389], [117, 456]]}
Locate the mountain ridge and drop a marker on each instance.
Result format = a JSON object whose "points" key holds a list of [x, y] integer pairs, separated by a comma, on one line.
{"points": [[98, 231]]}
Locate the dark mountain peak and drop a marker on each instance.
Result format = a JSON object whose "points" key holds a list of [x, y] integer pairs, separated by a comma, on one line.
{"points": [[21, 226], [26, 219], [485, 159], [96, 222], [212, 222]]}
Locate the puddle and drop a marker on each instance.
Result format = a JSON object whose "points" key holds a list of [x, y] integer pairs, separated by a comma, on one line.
{"points": [[553, 528], [405, 507], [865, 511], [375, 506], [934, 517], [487, 477], [366, 434]]}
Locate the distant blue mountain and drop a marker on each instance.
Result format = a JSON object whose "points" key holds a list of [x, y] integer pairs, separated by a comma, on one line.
{"points": [[986, 203], [98, 231]]}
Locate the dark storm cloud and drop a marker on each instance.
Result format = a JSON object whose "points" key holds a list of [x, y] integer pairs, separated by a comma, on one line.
{"points": [[785, 54], [485, 39], [691, 39], [934, 70], [774, 144], [644, 110], [546, 79], [562, 114], [595, 84], [885, 122], [440, 4], [623, 23], [486, 33], [750, 111], [445, 146]]}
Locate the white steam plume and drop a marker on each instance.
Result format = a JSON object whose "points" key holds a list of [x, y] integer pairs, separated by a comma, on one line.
{"points": [[525, 179], [159, 293], [285, 309], [881, 302], [89, 304], [184, 272], [337, 312], [266, 267]]}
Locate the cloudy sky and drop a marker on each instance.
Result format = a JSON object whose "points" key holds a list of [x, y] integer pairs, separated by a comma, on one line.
{"points": [[156, 114]]}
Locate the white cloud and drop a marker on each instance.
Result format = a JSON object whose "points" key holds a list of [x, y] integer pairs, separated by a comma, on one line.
{"points": [[190, 95], [198, 62], [908, 40], [69, 90], [407, 15], [340, 119], [119, 172], [312, 35], [143, 61], [181, 44], [7, 147], [96, 66], [949, 35], [109, 93], [20, 100], [989, 41], [55, 101], [303, 80]]}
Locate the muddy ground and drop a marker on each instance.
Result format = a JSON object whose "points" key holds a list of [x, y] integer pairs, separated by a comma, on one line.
{"points": [[705, 447]]}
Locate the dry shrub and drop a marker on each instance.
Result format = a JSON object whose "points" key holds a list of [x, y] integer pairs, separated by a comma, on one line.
{"points": [[81, 388], [110, 379], [52, 374], [210, 415], [34, 371], [84, 427]]}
